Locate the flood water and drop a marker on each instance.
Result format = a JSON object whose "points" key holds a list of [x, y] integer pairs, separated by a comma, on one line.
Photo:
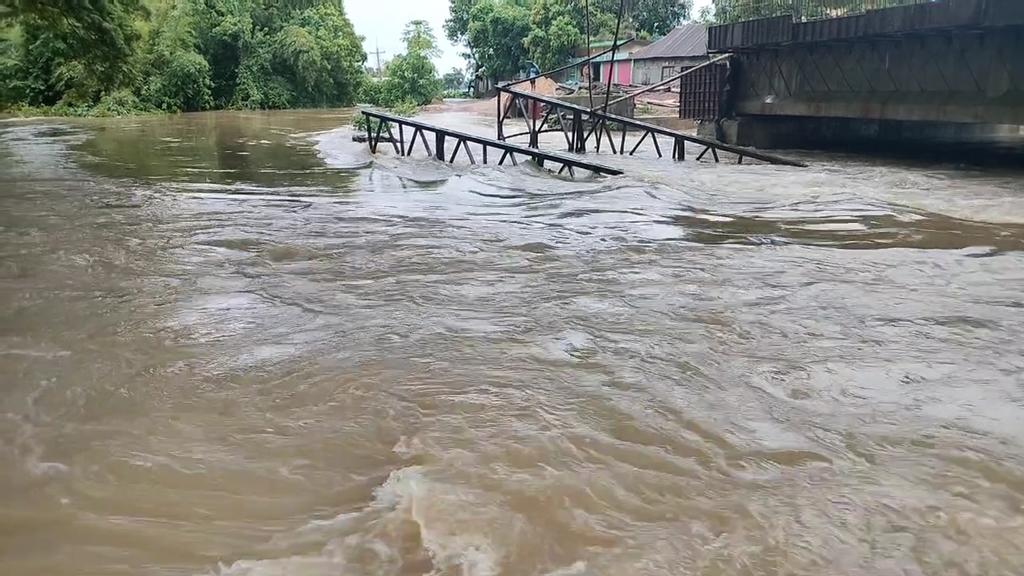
{"points": [[233, 344]]}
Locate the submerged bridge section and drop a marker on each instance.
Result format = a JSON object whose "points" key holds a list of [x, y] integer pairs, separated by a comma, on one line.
{"points": [[861, 68], [583, 128], [379, 129]]}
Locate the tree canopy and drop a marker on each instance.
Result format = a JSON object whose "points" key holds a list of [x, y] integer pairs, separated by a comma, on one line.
{"points": [[178, 55], [419, 38], [497, 33], [657, 17], [453, 79], [554, 35], [502, 36]]}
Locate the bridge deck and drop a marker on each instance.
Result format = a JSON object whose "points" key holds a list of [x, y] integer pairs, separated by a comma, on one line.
{"points": [[462, 140]]}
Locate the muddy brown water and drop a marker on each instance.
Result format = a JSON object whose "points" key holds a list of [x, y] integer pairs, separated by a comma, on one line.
{"points": [[231, 344]]}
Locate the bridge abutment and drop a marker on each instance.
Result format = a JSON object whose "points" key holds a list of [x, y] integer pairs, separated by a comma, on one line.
{"points": [[939, 74], [962, 141]]}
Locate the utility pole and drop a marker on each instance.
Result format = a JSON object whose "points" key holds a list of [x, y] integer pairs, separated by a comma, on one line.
{"points": [[611, 63], [377, 53]]}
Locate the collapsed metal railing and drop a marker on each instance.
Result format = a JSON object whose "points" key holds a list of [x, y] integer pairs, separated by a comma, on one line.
{"points": [[582, 126], [442, 136]]}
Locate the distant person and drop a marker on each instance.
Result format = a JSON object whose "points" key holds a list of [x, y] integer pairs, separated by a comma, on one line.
{"points": [[532, 74]]}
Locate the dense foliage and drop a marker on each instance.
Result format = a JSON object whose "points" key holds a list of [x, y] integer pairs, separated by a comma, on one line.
{"points": [[657, 17], [453, 80], [497, 32], [503, 36], [119, 56], [555, 33], [410, 78]]}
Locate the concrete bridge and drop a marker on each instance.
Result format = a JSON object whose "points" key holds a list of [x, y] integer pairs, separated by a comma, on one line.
{"points": [[818, 72]]}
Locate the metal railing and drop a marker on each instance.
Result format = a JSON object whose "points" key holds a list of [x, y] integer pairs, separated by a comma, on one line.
{"points": [[729, 11]]}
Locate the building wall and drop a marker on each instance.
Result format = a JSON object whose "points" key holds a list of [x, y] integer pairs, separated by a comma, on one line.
{"points": [[651, 70], [623, 72]]}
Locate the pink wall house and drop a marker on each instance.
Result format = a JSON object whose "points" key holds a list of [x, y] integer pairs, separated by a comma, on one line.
{"points": [[623, 71]]}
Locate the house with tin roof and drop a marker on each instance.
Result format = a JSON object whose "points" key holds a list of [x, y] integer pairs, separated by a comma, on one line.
{"points": [[621, 69], [684, 47]]}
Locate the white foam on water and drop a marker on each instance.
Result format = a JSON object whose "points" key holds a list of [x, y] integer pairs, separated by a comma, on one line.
{"points": [[577, 567], [337, 150], [24, 453], [410, 516]]}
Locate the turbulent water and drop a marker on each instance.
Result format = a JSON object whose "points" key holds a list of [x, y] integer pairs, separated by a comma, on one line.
{"points": [[235, 344]]}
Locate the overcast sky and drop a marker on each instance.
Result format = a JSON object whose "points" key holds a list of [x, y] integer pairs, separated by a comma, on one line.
{"points": [[381, 22]]}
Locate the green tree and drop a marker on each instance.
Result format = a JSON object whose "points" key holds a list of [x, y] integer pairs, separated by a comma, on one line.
{"points": [[10, 68], [70, 51], [90, 27], [658, 17], [497, 32], [501, 34], [419, 38], [178, 77], [322, 55], [110, 55], [554, 35], [456, 26], [280, 53], [453, 79], [412, 78], [707, 15]]}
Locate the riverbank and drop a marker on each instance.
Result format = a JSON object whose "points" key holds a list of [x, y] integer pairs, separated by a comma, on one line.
{"points": [[76, 112]]}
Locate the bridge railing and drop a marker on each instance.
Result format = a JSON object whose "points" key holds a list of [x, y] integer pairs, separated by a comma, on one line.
{"points": [[729, 11]]}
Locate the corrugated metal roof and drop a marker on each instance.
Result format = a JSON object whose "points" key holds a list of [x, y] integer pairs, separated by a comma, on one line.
{"points": [[683, 41], [598, 45], [619, 57]]}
